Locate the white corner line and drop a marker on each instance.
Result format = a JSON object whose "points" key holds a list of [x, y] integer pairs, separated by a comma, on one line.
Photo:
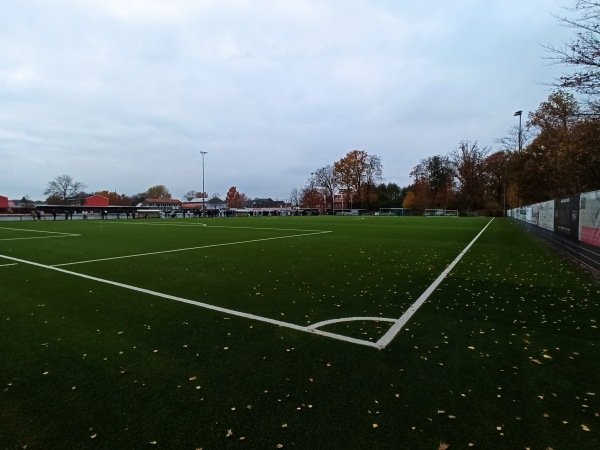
{"points": [[200, 304], [395, 329]]}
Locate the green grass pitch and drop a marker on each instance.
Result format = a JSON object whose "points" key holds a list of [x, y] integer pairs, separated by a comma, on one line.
{"points": [[266, 333]]}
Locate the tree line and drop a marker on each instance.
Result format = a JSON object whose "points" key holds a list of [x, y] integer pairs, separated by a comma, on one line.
{"points": [[555, 154]]}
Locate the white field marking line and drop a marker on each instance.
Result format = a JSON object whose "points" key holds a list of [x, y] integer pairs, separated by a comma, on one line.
{"points": [[314, 326], [39, 237], [209, 226], [395, 329], [7, 265], [188, 249], [200, 304], [36, 231]]}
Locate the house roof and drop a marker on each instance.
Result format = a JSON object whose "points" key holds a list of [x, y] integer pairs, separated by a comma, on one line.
{"points": [[162, 200]]}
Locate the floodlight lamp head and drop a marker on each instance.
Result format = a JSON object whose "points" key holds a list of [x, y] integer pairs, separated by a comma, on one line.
{"points": [[518, 113]]}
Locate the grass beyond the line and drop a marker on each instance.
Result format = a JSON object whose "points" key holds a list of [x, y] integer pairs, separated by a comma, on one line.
{"points": [[504, 354]]}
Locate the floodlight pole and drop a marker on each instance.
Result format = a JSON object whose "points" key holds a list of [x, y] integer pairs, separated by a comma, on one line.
{"points": [[203, 191], [520, 144], [312, 190], [520, 113]]}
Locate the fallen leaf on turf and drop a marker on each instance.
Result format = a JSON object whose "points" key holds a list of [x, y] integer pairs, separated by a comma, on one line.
{"points": [[375, 425], [443, 446], [229, 433], [192, 378], [584, 428]]}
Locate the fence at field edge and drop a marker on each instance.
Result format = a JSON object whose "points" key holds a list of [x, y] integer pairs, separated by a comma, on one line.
{"points": [[570, 224]]}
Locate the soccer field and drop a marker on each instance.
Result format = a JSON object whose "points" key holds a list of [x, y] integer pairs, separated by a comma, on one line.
{"points": [[309, 332]]}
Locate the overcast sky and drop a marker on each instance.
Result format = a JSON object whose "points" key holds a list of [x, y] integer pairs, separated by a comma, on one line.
{"points": [[124, 94]]}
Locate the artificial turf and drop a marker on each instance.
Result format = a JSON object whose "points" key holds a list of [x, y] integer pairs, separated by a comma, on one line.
{"points": [[504, 354]]}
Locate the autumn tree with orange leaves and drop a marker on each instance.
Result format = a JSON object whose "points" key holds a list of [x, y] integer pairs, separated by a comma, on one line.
{"points": [[234, 198], [357, 174]]}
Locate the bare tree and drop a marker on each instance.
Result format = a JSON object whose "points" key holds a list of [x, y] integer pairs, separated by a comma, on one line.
{"points": [[582, 52], [295, 197], [326, 179], [510, 142], [469, 168], [190, 195], [63, 187]]}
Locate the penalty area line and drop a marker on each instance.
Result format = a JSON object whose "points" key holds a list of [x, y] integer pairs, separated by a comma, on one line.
{"points": [[39, 231], [395, 329], [188, 249]]}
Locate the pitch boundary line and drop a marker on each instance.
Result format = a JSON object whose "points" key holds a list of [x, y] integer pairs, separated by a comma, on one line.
{"points": [[395, 329], [200, 304]]}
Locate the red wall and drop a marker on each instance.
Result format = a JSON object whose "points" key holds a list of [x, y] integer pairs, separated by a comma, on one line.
{"points": [[96, 200], [3, 202]]}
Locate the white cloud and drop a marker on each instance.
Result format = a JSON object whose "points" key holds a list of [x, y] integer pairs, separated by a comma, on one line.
{"points": [[110, 91]]}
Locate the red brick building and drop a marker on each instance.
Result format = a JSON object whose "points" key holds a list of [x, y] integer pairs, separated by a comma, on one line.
{"points": [[93, 200], [3, 202]]}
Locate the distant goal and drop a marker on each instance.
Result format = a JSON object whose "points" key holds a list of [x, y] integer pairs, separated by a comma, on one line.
{"points": [[441, 212]]}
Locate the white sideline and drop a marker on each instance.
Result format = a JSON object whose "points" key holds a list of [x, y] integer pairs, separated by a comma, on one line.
{"points": [[395, 329]]}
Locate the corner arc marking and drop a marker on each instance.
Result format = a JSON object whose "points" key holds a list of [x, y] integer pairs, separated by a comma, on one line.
{"points": [[324, 323]]}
